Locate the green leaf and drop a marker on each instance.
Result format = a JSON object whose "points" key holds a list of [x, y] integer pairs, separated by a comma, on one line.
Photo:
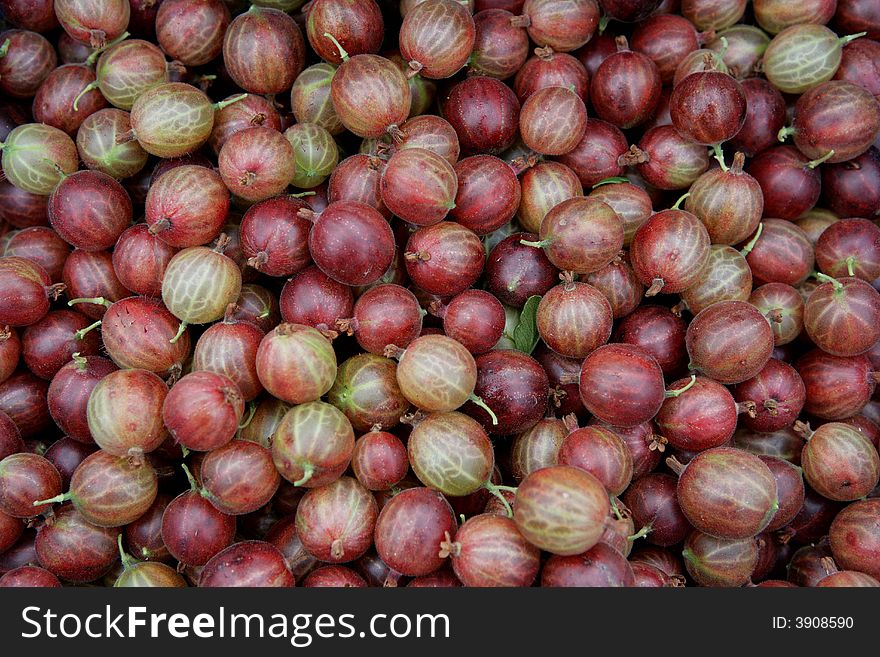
{"points": [[525, 335]]}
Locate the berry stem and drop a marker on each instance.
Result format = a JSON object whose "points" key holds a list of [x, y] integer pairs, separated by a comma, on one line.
{"points": [[784, 132], [308, 471], [193, 486], [479, 402], [676, 393], [343, 55], [825, 278], [101, 301], [814, 163], [53, 500], [537, 245], [747, 249], [79, 362], [644, 531], [180, 330], [79, 335], [803, 429], [127, 560], [850, 37], [91, 59], [86, 89], [496, 491], [719, 155], [851, 265], [675, 465], [680, 200], [229, 101], [252, 410], [739, 159], [614, 508]]}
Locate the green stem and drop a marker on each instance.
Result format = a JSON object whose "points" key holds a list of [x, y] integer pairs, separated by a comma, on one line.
{"points": [[725, 44], [496, 491], [253, 409], [611, 181], [644, 531], [679, 201], [509, 489], [343, 55], [79, 362], [603, 23], [850, 37], [814, 163], [784, 132], [719, 155], [4, 48], [189, 477], [747, 249], [86, 89], [537, 245], [690, 384], [127, 560], [308, 471], [850, 265], [828, 279], [615, 508], [184, 450], [229, 101], [53, 500], [101, 301], [90, 60], [180, 330], [79, 335], [479, 402]]}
